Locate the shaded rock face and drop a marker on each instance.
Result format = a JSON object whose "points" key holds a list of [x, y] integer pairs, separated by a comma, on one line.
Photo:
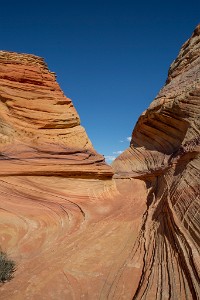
{"points": [[74, 231]]}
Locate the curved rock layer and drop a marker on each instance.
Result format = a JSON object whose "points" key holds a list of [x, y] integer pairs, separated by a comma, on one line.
{"points": [[76, 236], [71, 239], [165, 153]]}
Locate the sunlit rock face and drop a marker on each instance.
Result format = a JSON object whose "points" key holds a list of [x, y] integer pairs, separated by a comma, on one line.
{"points": [[40, 132], [73, 230], [165, 153]]}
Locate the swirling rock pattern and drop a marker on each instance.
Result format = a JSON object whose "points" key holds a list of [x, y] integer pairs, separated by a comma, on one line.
{"points": [[75, 231], [165, 153]]}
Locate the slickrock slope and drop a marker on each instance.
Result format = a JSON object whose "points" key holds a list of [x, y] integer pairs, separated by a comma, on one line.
{"points": [[40, 132], [165, 153], [75, 232]]}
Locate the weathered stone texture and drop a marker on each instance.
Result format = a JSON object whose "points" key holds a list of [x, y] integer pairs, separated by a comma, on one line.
{"points": [[39, 126], [76, 232], [165, 153]]}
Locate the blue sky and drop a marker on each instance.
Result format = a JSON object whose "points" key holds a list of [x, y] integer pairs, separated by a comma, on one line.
{"points": [[111, 57]]}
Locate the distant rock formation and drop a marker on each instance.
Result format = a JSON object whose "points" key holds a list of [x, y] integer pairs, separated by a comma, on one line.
{"points": [[73, 230]]}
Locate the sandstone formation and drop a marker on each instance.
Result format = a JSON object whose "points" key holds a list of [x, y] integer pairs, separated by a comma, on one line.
{"points": [[39, 127], [165, 153], [76, 232]]}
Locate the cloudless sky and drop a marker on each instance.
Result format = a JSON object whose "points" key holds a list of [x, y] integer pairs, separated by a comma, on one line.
{"points": [[111, 57]]}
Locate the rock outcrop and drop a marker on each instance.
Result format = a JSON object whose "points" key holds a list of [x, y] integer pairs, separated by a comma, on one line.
{"points": [[73, 230], [40, 132], [165, 153]]}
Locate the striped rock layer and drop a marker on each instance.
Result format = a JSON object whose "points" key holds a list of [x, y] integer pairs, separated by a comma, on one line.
{"points": [[40, 132], [76, 232], [165, 153]]}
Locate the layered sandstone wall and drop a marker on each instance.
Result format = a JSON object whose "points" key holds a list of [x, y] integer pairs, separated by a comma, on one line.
{"points": [[73, 230], [170, 122], [165, 153], [39, 125]]}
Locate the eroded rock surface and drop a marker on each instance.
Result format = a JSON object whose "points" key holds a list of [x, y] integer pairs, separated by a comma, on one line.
{"points": [[74, 231], [165, 153], [40, 132]]}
